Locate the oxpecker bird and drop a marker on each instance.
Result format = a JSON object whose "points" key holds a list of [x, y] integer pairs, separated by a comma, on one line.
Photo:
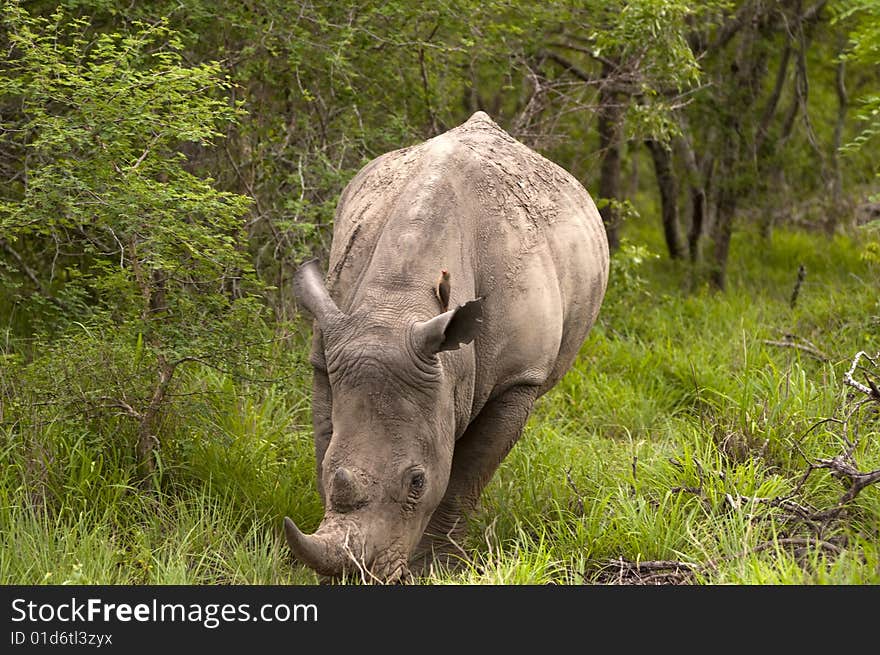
{"points": [[442, 290]]}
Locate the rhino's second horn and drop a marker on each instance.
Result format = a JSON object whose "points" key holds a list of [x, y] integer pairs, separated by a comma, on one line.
{"points": [[347, 493]]}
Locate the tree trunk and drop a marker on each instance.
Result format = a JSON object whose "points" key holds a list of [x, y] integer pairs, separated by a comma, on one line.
{"points": [[737, 101], [728, 192], [728, 189], [723, 232], [838, 205], [772, 103], [699, 206], [698, 177], [610, 115], [152, 287], [147, 441], [633, 170], [668, 186]]}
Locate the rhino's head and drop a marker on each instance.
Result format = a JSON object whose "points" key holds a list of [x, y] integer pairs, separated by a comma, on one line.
{"points": [[388, 462]]}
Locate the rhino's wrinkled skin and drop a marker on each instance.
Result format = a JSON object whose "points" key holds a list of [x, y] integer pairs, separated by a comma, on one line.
{"points": [[414, 409]]}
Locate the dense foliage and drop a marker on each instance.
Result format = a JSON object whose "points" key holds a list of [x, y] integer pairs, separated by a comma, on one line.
{"points": [[164, 166]]}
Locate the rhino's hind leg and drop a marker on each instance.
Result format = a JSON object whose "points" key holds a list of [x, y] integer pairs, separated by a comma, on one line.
{"points": [[478, 452]]}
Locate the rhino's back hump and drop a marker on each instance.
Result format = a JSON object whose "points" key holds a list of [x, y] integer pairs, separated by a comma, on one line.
{"points": [[510, 199]]}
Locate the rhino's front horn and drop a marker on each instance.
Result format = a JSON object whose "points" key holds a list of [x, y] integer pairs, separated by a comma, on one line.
{"points": [[324, 551]]}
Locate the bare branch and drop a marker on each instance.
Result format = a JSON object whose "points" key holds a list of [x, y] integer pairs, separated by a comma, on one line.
{"points": [[773, 102], [572, 68], [813, 13], [848, 377], [624, 571], [127, 409], [805, 347], [426, 91], [587, 51]]}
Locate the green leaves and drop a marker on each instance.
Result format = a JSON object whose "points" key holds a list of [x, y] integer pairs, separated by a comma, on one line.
{"points": [[653, 33], [101, 125], [863, 20]]}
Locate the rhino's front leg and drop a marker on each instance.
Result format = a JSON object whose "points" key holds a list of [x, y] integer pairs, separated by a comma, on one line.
{"points": [[322, 406], [478, 452]]}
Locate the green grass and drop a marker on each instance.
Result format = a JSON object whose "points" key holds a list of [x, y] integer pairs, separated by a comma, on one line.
{"points": [[668, 441]]}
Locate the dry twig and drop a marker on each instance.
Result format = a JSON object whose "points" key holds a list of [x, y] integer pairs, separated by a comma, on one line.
{"points": [[577, 494], [792, 341], [871, 391]]}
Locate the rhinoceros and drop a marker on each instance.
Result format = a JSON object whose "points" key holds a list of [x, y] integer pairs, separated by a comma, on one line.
{"points": [[416, 405]]}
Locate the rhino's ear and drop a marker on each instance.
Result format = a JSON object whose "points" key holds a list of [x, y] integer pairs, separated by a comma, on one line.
{"points": [[310, 292], [449, 330]]}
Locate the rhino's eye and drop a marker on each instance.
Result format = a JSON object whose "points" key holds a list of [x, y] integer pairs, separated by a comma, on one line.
{"points": [[417, 484]]}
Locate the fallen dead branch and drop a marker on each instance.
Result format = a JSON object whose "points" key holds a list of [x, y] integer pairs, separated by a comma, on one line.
{"points": [[622, 571], [799, 343], [656, 572], [871, 389], [844, 467]]}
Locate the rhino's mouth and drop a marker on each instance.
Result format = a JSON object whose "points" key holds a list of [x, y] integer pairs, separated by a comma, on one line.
{"points": [[390, 567]]}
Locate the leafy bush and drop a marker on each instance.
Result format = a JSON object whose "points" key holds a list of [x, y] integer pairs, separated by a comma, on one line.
{"points": [[119, 244]]}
